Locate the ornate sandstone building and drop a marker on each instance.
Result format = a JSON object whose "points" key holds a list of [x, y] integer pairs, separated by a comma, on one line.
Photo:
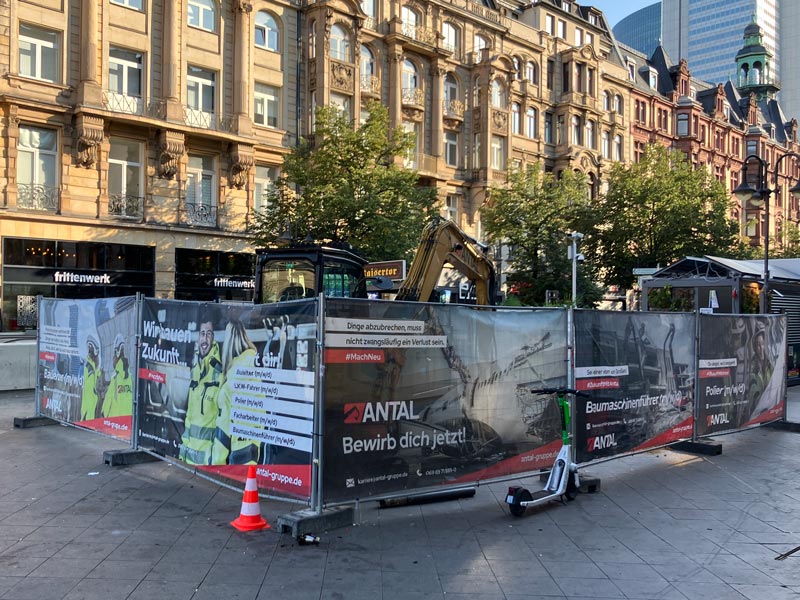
{"points": [[140, 135]]}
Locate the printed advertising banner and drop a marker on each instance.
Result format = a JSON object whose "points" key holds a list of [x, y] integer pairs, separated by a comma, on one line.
{"points": [[637, 371], [742, 371], [85, 363], [223, 386], [424, 395]]}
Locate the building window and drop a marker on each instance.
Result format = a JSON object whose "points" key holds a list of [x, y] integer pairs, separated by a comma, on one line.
{"points": [[550, 24], [683, 124], [548, 128], [590, 134], [452, 38], [551, 68], [590, 82], [452, 103], [368, 6], [618, 104], [342, 105], [498, 153], [125, 178], [200, 183], [607, 101], [37, 168], [653, 78], [134, 4], [576, 131], [606, 145], [638, 150], [267, 33], [562, 29], [589, 39], [410, 20], [340, 44], [264, 184], [531, 118], [451, 148], [39, 53], [516, 122], [203, 14], [531, 72], [200, 96], [498, 94], [618, 155], [125, 80], [479, 42], [578, 37], [267, 106], [476, 151], [631, 71], [451, 207], [560, 131]]}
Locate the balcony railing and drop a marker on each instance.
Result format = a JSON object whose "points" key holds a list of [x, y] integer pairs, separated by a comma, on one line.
{"points": [[371, 24], [37, 197], [413, 96], [453, 108], [370, 84], [132, 105], [200, 215], [125, 206], [199, 118], [420, 33]]}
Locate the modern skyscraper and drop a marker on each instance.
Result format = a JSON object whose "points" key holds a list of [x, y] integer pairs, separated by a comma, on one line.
{"points": [[641, 30]]}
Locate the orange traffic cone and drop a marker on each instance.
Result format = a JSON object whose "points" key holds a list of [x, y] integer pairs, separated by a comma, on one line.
{"points": [[250, 517]]}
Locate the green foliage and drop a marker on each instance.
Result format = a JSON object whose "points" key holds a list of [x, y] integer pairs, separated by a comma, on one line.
{"points": [[658, 211], [668, 299], [532, 215], [346, 186], [789, 243]]}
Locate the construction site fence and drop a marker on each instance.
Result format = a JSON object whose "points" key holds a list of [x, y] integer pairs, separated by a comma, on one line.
{"points": [[337, 400]]}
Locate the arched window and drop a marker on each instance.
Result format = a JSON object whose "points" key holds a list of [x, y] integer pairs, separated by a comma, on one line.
{"points": [[367, 62], [576, 130], [452, 96], [411, 92], [368, 6], [202, 14], [267, 33], [340, 44], [531, 72], [607, 101], [589, 138], [312, 39], [452, 38], [479, 42], [606, 145], [498, 94], [618, 148], [410, 20], [618, 104]]}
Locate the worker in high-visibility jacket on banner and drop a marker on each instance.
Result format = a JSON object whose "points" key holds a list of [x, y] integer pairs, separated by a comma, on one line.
{"points": [[202, 408], [119, 395], [237, 350]]}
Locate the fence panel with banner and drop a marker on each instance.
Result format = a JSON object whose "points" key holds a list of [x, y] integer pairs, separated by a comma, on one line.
{"points": [[421, 396], [86, 358], [223, 386], [742, 371], [638, 372]]}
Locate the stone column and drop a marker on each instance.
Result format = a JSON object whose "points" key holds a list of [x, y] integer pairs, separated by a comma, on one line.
{"points": [[170, 76], [241, 61], [437, 103], [89, 91]]}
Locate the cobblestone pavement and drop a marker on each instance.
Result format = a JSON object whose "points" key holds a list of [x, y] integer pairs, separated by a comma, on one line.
{"points": [[665, 525]]}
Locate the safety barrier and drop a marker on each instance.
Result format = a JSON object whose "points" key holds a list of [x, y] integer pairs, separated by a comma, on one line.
{"points": [[337, 400]]}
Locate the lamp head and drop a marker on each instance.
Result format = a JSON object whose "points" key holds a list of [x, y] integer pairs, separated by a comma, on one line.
{"points": [[745, 192]]}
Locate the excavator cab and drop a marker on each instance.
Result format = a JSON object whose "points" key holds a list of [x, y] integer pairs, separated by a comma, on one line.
{"points": [[284, 274]]}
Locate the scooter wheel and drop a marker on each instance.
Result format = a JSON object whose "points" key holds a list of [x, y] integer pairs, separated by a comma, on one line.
{"points": [[516, 508], [572, 489]]}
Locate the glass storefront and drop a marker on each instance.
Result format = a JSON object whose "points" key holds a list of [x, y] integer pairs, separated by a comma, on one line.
{"points": [[61, 269], [212, 276]]}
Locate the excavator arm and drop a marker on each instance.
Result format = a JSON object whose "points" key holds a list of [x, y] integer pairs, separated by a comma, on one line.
{"points": [[442, 243]]}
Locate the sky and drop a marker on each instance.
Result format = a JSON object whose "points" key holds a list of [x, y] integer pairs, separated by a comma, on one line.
{"points": [[615, 10]]}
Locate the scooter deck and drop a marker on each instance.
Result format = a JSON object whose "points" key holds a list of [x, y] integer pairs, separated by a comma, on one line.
{"points": [[537, 495]]}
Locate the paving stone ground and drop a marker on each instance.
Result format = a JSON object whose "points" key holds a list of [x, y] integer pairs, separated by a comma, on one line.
{"points": [[666, 525]]}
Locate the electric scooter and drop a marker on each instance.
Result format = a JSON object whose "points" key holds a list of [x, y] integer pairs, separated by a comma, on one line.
{"points": [[563, 481]]}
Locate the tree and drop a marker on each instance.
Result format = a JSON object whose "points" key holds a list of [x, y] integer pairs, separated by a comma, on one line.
{"points": [[346, 186], [532, 215], [657, 211]]}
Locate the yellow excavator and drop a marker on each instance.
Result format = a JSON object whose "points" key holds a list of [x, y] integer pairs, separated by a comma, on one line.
{"points": [[291, 273]]}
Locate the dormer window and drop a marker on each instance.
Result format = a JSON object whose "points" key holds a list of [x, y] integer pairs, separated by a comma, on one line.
{"points": [[631, 71], [653, 78], [693, 92], [726, 110]]}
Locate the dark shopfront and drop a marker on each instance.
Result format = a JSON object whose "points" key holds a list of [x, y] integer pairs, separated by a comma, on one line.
{"points": [[62, 269], [212, 276]]}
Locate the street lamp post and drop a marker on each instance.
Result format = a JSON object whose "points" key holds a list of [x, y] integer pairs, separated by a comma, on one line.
{"points": [[575, 258], [758, 197]]}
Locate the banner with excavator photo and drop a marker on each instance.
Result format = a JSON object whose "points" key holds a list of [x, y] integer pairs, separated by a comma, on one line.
{"points": [[430, 395], [224, 386], [636, 372], [742, 371], [86, 350]]}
